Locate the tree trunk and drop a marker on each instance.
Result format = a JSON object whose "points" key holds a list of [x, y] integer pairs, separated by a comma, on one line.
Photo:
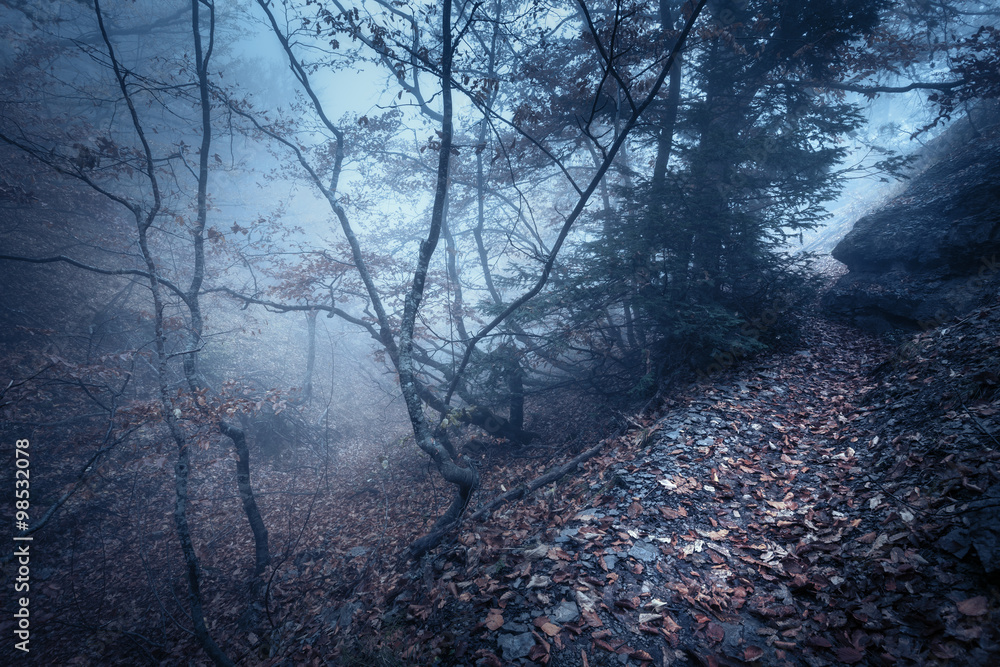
{"points": [[237, 435], [182, 467], [515, 387], [465, 479], [192, 370], [307, 382]]}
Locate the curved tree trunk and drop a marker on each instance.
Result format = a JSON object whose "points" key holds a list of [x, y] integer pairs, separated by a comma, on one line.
{"points": [[237, 435], [465, 479]]}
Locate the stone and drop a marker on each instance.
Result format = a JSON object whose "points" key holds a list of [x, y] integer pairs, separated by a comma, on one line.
{"points": [[644, 551], [565, 612], [516, 646], [931, 253]]}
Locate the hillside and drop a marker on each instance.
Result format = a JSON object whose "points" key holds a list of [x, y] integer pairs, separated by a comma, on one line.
{"points": [[378, 334], [801, 511]]}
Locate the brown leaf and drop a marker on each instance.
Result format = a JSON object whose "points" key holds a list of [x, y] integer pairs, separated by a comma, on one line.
{"points": [[494, 619], [850, 655], [715, 632], [976, 606], [672, 514], [551, 629], [752, 653], [539, 653], [669, 624], [488, 659], [600, 643]]}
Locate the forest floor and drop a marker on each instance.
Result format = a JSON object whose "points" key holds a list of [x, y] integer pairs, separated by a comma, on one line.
{"points": [[834, 503], [824, 506]]}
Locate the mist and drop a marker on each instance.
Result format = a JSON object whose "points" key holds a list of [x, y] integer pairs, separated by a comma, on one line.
{"points": [[317, 316]]}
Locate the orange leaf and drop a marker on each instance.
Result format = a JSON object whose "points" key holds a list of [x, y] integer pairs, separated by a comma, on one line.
{"points": [[551, 629], [494, 620]]}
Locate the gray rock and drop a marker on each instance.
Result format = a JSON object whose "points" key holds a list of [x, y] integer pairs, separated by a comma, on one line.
{"points": [[516, 646], [643, 551], [931, 253], [565, 612], [565, 534], [985, 529]]}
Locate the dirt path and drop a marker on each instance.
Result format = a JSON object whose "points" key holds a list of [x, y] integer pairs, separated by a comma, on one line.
{"points": [[746, 525]]}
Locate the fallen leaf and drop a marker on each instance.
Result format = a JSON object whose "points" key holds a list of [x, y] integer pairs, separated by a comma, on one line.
{"points": [[850, 655], [551, 629], [494, 619], [976, 606]]}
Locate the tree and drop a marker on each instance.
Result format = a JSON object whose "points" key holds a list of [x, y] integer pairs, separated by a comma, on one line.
{"points": [[133, 182], [402, 52]]}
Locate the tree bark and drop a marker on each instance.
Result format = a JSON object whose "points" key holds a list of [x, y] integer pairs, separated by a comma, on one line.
{"points": [[262, 555], [307, 382], [464, 479], [192, 371], [182, 467]]}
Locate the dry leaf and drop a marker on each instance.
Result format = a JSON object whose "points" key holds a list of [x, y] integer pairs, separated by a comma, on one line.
{"points": [[850, 655], [494, 619], [976, 606], [551, 629]]}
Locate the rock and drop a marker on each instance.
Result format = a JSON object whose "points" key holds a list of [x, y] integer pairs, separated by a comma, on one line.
{"points": [[565, 534], [516, 646], [565, 612], [930, 254], [984, 530], [644, 551]]}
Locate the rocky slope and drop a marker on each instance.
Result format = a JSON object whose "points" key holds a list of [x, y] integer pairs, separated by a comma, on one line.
{"points": [[801, 510], [931, 253]]}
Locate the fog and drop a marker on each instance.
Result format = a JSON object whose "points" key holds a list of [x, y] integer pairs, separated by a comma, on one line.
{"points": [[327, 270]]}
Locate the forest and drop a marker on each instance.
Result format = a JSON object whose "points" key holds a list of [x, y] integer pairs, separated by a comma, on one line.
{"points": [[500, 332]]}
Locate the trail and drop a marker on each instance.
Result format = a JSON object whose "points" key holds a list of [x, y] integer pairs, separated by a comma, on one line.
{"points": [[753, 521]]}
